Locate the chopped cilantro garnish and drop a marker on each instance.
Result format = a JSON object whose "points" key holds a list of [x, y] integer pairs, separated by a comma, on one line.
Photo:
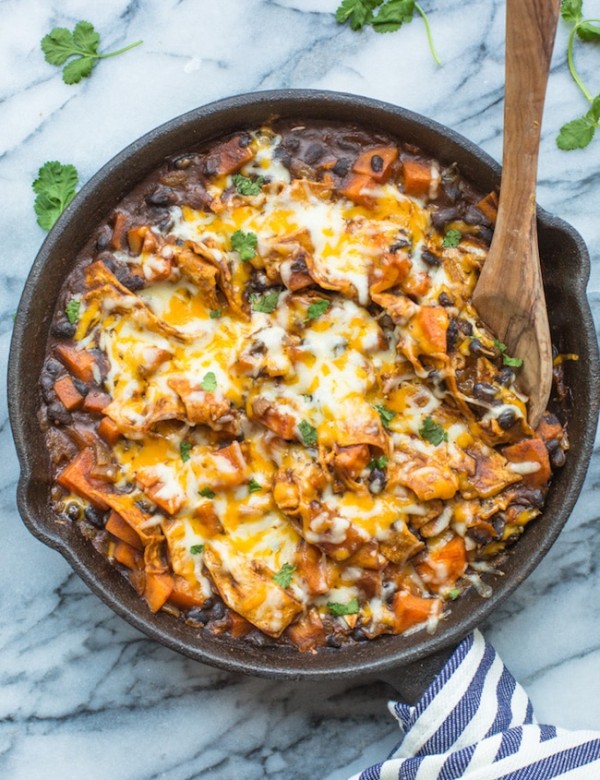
{"points": [[452, 238], [207, 493], [379, 463], [244, 244], [209, 382], [500, 345], [317, 308], [184, 450], [386, 415], [308, 433], [514, 362], [432, 432], [453, 594], [266, 303], [215, 314], [72, 310], [351, 608], [254, 486], [284, 576], [196, 549], [246, 186]]}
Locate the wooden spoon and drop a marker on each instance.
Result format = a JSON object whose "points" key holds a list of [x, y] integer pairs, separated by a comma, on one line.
{"points": [[509, 295]]}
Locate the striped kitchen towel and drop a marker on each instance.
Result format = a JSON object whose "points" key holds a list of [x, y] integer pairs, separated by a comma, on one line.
{"points": [[476, 722]]}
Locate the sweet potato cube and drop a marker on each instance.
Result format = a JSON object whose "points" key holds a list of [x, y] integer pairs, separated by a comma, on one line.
{"points": [[79, 362], [109, 431], [533, 457], [158, 589], [357, 189], [127, 555], [67, 393], [95, 401], [376, 163], [411, 610], [416, 177], [123, 531]]}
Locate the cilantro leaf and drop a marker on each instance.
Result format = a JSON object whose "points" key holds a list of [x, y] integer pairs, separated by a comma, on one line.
{"points": [[55, 189], [196, 549], [500, 345], [432, 432], [571, 10], [386, 415], [209, 382], [317, 308], [378, 463], [308, 433], [284, 576], [254, 486], [576, 134], [207, 493], [60, 45], [266, 303], [244, 244], [246, 186], [356, 12], [215, 314], [452, 238], [514, 362], [588, 32], [337, 609], [72, 310], [454, 594], [184, 450], [393, 15]]}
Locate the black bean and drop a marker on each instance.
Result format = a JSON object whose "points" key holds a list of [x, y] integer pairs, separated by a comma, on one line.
{"points": [[531, 497], [401, 243], [430, 259], [299, 264], [161, 196], [133, 282], [74, 511], [558, 458], [506, 376], [465, 327], [376, 163], [63, 329], [552, 445], [81, 386], [181, 163], [451, 335], [440, 218], [103, 238], [499, 523], [292, 143], [359, 635], [483, 391], [245, 140], [96, 516], [341, 167], [445, 300], [507, 419], [314, 153], [376, 480], [476, 348], [480, 535], [218, 611], [54, 366], [473, 216], [201, 616], [283, 156], [333, 641], [58, 414], [486, 234]]}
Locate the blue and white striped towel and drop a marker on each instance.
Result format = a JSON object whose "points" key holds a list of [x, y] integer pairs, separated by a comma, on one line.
{"points": [[475, 722]]}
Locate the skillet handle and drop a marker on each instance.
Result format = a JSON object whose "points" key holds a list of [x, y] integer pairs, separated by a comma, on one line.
{"points": [[411, 681]]}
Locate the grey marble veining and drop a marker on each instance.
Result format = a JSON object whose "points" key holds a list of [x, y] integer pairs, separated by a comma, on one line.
{"points": [[83, 694]]}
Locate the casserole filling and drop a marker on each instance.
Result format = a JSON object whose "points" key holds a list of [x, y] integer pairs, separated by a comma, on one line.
{"points": [[269, 401]]}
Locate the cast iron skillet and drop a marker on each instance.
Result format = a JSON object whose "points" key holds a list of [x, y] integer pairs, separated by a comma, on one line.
{"points": [[565, 266]]}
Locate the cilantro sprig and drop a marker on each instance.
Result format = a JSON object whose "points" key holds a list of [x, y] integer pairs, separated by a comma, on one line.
{"points": [[507, 360], [284, 576], [432, 432], [337, 609], [72, 310], [185, 448], [392, 14], [247, 186], [206, 492], [317, 308], [266, 303], [309, 433], [209, 382], [578, 133], [80, 47], [244, 244], [452, 238], [54, 189], [254, 486], [385, 415], [196, 549]]}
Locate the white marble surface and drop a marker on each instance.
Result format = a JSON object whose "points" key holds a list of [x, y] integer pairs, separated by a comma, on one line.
{"points": [[82, 694]]}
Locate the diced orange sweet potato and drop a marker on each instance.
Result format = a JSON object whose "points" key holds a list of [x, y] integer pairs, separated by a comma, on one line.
{"points": [[429, 326], [549, 428], [123, 531], [352, 460], [80, 362], [229, 157], [67, 393], [307, 633], [158, 589], [127, 555], [311, 567], [238, 626], [184, 595], [141, 239], [376, 163], [356, 188], [206, 516], [119, 227], [75, 478], [416, 177], [444, 565], [410, 610], [531, 452], [95, 401], [109, 431]]}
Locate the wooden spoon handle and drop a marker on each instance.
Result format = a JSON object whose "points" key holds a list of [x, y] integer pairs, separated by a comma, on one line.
{"points": [[530, 31]]}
